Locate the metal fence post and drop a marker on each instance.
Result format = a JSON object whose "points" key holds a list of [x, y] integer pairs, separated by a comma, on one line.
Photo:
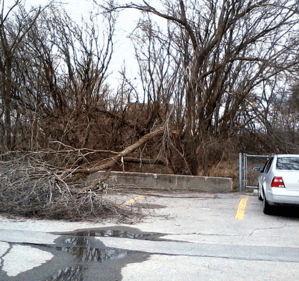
{"points": [[244, 166], [240, 172]]}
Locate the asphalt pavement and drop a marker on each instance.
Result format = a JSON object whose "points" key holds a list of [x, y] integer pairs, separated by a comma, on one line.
{"points": [[185, 236]]}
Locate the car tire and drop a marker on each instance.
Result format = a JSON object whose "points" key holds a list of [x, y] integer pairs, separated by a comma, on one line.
{"points": [[267, 209], [260, 194]]}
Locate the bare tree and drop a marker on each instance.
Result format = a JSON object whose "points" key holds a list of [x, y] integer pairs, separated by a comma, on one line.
{"points": [[58, 76], [12, 33], [228, 52]]}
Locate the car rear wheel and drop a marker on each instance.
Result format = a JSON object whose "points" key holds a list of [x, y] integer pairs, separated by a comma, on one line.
{"points": [[260, 194], [267, 209]]}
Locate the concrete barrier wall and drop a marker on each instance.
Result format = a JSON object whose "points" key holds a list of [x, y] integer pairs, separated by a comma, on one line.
{"points": [[166, 182]]}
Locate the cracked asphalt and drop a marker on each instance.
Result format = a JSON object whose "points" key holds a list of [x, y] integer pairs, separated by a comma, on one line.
{"points": [[185, 236]]}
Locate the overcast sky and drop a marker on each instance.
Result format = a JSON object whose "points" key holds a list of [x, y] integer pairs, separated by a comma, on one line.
{"points": [[123, 48]]}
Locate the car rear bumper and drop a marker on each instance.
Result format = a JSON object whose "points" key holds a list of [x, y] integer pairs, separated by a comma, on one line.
{"points": [[281, 196]]}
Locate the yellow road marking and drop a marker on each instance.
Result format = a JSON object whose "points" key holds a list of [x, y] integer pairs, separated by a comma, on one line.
{"points": [[132, 201], [241, 209]]}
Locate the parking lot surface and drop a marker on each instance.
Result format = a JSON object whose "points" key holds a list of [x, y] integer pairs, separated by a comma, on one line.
{"points": [[185, 236]]}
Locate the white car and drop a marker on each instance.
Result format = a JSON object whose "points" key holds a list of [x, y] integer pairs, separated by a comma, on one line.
{"points": [[278, 183]]}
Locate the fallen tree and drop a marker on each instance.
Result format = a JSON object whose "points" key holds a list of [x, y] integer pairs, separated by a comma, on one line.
{"points": [[51, 184], [108, 166]]}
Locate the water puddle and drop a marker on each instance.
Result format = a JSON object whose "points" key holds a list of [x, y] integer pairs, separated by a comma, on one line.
{"points": [[81, 255], [92, 258], [119, 232]]}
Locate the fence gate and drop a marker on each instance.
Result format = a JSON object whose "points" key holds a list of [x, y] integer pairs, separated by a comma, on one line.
{"points": [[243, 170]]}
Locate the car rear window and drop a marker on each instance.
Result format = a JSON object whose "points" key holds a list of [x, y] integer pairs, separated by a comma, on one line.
{"points": [[287, 163]]}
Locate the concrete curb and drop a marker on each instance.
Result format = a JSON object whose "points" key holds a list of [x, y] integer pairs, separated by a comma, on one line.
{"points": [[166, 182]]}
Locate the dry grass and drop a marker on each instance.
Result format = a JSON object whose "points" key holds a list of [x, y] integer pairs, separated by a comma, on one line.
{"points": [[227, 168]]}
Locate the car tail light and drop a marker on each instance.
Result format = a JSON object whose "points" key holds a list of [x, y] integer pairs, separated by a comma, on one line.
{"points": [[277, 182]]}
